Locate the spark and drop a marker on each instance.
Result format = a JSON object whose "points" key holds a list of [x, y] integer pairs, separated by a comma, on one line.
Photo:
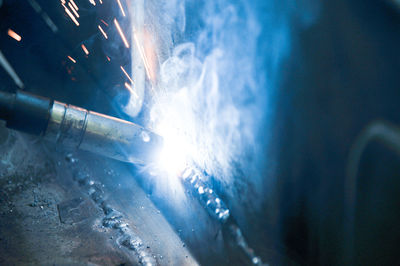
{"points": [[92, 2], [103, 32], [75, 6], [101, 2], [130, 89], [143, 55], [70, 15], [63, 2], [120, 7], [85, 49], [73, 60], [126, 74], [73, 10], [108, 58], [121, 33], [105, 23], [14, 35]]}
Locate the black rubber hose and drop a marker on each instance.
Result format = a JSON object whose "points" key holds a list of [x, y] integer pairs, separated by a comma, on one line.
{"points": [[6, 104], [25, 112]]}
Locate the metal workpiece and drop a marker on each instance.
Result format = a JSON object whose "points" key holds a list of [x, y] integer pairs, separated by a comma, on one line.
{"points": [[78, 128], [66, 124], [195, 181]]}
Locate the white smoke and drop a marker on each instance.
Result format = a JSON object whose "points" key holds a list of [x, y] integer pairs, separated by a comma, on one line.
{"points": [[213, 93]]}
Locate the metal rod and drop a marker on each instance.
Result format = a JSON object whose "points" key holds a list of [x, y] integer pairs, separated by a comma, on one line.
{"points": [[78, 128]]}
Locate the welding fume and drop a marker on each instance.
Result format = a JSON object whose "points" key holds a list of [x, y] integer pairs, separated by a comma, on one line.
{"points": [[184, 132]]}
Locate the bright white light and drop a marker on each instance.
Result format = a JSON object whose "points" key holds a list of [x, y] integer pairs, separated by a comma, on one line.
{"points": [[173, 156], [173, 123], [175, 152]]}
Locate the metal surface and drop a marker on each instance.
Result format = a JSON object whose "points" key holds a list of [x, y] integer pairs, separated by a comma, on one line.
{"points": [[217, 209], [101, 134], [80, 209]]}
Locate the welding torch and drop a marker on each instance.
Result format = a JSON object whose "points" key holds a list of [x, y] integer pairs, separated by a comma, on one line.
{"points": [[78, 128]]}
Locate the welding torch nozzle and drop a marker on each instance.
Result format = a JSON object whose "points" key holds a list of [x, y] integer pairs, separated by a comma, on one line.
{"points": [[78, 128]]}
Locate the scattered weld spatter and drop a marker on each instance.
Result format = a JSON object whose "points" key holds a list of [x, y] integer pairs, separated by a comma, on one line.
{"points": [[195, 181], [113, 219]]}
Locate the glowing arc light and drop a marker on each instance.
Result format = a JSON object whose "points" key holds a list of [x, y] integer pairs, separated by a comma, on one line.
{"points": [[179, 147], [174, 155]]}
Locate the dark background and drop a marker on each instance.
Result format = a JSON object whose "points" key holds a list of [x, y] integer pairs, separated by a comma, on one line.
{"points": [[348, 77]]}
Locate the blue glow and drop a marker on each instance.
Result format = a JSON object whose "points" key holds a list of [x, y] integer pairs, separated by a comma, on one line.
{"points": [[219, 68]]}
